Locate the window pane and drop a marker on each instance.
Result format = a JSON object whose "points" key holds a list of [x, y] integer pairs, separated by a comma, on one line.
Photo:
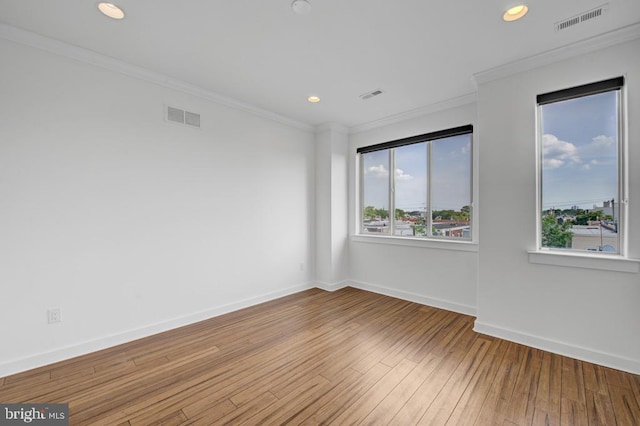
{"points": [[451, 187], [580, 173], [410, 190], [375, 200]]}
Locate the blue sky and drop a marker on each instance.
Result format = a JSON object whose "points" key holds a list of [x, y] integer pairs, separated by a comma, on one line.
{"points": [[451, 168], [579, 148]]}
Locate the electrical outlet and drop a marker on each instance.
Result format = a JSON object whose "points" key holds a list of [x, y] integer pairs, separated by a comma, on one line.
{"points": [[53, 315]]}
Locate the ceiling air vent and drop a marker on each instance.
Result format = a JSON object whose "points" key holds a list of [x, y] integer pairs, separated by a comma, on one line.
{"points": [[371, 94], [582, 17], [177, 115]]}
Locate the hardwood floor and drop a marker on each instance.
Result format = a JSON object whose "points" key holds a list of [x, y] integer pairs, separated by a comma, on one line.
{"points": [[346, 357]]}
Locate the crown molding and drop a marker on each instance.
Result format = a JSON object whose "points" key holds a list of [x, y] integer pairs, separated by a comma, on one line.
{"points": [[332, 127], [80, 54], [601, 41], [467, 99]]}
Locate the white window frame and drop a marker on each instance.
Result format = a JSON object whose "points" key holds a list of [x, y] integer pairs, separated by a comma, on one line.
{"points": [[434, 241], [578, 258]]}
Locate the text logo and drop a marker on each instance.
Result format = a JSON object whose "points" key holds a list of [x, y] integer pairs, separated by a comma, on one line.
{"points": [[34, 414]]}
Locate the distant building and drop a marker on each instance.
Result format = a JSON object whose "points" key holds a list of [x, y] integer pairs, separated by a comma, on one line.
{"points": [[564, 218], [608, 208], [594, 238], [453, 228]]}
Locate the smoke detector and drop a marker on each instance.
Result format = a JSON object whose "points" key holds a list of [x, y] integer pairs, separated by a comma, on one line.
{"points": [[301, 7]]}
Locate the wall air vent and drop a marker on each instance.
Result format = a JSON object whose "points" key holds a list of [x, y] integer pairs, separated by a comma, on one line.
{"points": [[191, 119], [582, 17], [371, 94], [177, 115]]}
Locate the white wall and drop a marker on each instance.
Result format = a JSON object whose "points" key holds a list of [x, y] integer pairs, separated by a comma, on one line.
{"points": [[331, 206], [431, 275], [586, 313], [132, 225]]}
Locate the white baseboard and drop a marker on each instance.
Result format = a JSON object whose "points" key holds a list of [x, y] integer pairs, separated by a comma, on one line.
{"points": [[332, 286], [417, 298], [577, 352], [60, 354]]}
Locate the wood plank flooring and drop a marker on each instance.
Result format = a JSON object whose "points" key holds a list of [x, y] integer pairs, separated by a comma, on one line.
{"points": [[348, 357]]}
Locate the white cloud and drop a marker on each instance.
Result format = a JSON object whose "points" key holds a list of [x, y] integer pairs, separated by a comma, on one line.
{"points": [[557, 153], [378, 171], [553, 163], [603, 140], [401, 175], [382, 172], [466, 149]]}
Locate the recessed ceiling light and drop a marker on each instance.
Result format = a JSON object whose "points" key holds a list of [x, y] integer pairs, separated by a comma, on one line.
{"points": [[301, 7], [111, 10], [514, 13], [313, 99]]}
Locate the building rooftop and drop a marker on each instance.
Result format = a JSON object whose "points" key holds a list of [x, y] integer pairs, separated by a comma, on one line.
{"points": [[591, 230]]}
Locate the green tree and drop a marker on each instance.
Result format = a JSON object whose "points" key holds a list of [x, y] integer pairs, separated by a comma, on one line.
{"points": [[419, 229], [583, 219], [443, 214], [463, 214], [555, 234], [383, 213], [369, 213], [400, 214]]}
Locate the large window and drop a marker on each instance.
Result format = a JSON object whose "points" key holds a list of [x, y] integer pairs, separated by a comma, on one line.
{"points": [[580, 168], [419, 186]]}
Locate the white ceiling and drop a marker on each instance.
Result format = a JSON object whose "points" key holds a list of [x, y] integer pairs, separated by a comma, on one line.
{"points": [[420, 52]]}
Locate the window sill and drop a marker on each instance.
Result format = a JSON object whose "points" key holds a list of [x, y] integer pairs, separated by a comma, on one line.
{"points": [[588, 261], [417, 242]]}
